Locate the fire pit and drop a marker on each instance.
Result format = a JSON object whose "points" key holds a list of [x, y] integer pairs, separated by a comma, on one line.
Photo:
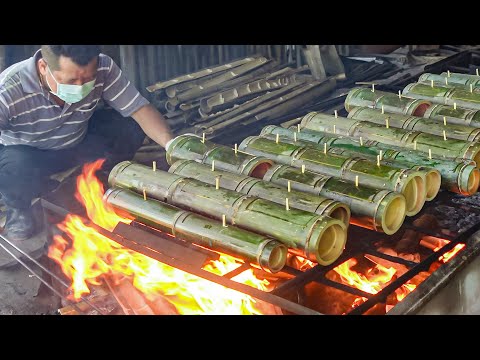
{"points": [[376, 274]]}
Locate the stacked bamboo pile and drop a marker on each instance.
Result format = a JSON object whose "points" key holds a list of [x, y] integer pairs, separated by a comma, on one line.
{"points": [[220, 99]]}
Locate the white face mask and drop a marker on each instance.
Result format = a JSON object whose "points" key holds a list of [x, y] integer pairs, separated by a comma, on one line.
{"points": [[71, 93]]}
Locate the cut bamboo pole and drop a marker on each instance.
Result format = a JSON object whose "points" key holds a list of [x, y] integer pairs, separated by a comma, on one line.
{"points": [[362, 97], [444, 95], [456, 176], [375, 209], [267, 252], [431, 176], [460, 116], [429, 126], [263, 189], [408, 182], [316, 237], [452, 148]]}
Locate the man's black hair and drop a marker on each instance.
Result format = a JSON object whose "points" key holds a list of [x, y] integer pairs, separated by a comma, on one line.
{"points": [[79, 54]]}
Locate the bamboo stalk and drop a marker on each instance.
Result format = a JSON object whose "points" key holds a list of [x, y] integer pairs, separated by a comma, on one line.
{"points": [[431, 176], [362, 97], [268, 253], [456, 176], [188, 147], [409, 183], [444, 95], [375, 209], [429, 126], [462, 81], [317, 238], [263, 189], [459, 116], [451, 148]]}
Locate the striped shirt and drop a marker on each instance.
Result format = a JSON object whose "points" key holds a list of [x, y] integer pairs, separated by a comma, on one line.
{"points": [[30, 116]]}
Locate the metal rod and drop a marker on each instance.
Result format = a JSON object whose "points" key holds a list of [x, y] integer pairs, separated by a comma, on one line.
{"points": [[44, 281]]}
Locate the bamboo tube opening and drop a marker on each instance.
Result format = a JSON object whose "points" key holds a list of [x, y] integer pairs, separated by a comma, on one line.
{"points": [[473, 181], [420, 109], [274, 257], [330, 243], [342, 213], [415, 194], [476, 158], [261, 169], [394, 215], [433, 180]]}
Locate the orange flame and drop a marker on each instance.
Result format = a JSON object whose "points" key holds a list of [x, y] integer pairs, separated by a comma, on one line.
{"points": [[92, 255], [449, 254], [374, 281]]}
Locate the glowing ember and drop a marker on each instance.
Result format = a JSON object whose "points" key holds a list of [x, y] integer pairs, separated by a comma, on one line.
{"points": [[91, 256]]}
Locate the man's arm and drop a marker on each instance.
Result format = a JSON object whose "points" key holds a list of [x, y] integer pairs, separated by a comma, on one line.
{"points": [[153, 124]]}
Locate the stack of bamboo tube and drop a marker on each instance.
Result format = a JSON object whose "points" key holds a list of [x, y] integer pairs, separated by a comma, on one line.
{"points": [[216, 100]]}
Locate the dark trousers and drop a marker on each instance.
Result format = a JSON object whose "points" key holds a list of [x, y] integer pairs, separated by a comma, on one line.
{"points": [[25, 170]]}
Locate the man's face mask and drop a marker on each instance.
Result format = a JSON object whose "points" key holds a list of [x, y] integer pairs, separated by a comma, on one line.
{"points": [[71, 93]]}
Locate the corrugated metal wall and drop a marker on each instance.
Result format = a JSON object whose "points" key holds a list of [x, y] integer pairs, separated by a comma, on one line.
{"points": [[147, 64]]}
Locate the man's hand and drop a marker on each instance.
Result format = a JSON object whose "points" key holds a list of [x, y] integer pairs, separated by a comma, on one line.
{"points": [[153, 124]]}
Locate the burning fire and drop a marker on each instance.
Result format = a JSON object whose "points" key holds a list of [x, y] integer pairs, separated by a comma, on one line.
{"points": [[89, 257]]}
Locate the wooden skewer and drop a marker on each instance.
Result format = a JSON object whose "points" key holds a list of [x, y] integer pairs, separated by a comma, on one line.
{"points": [[448, 73], [287, 207], [303, 168], [336, 114], [373, 87], [295, 136], [203, 138], [236, 149], [378, 160], [399, 94], [445, 121], [430, 154], [361, 141], [217, 182], [144, 195], [471, 88], [289, 186], [383, 110], [476, 70], [213, 165], [298, 127], [325, 148], [154, 166], [381, 154], [334, 130], [454, 106], [277, 138], [431, 83], [386, 123], [444, 135], [415, 145], [224, 220], [356, 180], [446, 81]]}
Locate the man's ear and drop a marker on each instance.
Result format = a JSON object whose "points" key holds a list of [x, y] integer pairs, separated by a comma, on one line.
{"points": [[42, 66]]}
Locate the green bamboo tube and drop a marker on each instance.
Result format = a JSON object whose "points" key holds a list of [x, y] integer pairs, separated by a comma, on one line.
{"points": [[192, 147], [317, 238], [444, 95], [407, 139], [409, 183], [459, 115], [375, 209], [270, 254], [263, 189], [430, 176], [392, 103], [429, 126], [462, 177], [455, 80]]}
